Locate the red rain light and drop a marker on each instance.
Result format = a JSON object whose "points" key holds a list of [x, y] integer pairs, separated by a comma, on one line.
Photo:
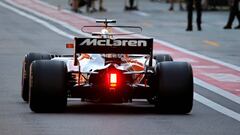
{"points": [[113, 78]]}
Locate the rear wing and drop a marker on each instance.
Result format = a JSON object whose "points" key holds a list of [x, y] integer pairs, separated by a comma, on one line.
{"points": [[117, 46]]}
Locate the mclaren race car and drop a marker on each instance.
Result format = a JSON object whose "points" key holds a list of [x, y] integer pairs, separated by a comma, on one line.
{"points": [[106, 69]]}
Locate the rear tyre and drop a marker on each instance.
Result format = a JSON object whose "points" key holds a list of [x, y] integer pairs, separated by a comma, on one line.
{"points": [[29, 58], [174, 81], [48, 91], [158, 58], [163, 57]]}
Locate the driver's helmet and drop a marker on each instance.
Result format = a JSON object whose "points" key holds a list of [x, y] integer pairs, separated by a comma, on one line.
{"points": [[105, 34]]}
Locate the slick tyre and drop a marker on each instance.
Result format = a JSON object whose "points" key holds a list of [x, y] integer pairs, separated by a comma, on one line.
{"points": [[29, 58], [158, 58], [48, 91], [174, 87], [163, 57]]}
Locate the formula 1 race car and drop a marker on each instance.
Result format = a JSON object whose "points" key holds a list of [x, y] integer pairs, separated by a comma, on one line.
{"points": [[107, 70]]}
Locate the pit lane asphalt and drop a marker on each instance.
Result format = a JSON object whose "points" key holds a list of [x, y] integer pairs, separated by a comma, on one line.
{"points": [[19, 36]]}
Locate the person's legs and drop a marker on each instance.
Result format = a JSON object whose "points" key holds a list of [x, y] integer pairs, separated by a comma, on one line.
{"points": [[230, 19], [190, 10], [74, 5], [101, 8], [131, 3], [93, 6], [237, 14], [232, 14], [89, 5], [198, 6], [180, 5], [171, 8]]}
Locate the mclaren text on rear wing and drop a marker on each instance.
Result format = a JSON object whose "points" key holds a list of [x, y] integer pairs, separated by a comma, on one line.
{"points": [[123, 46]]}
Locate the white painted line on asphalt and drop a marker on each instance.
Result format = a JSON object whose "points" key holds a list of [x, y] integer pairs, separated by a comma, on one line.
{"points": [[64, 10], [197, 97], [217, 90], [206, 67], [217, 107], [39, 21], [198, 55], [186, 60], [141, 13], [64, 24], [224, 77], [162, 52]]}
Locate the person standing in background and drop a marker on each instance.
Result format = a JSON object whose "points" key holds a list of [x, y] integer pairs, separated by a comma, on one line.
{"points": [[131, 5], [76, 4], [172, 5], [234, 11], [198, 7], [101, 8]]}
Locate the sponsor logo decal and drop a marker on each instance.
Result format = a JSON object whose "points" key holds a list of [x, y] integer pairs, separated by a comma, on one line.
{"points": [[115, 43]]}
